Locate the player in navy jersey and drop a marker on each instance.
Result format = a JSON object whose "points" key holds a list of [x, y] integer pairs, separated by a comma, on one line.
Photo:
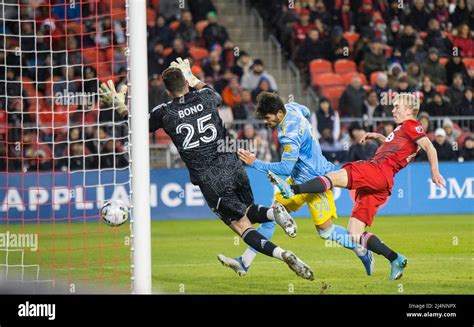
{"points": [[192, 121]]}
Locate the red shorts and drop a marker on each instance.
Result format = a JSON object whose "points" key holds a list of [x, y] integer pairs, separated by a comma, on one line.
{"points": [[372, 188]]}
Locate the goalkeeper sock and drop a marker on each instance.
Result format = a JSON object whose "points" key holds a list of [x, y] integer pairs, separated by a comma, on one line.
{"points": [[259, 214], [319, 184], [374, 244], [338, 234], [261, 244], [266, 230]]}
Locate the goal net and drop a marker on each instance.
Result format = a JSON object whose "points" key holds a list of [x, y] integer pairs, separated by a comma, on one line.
{"points": [[62, 152]]}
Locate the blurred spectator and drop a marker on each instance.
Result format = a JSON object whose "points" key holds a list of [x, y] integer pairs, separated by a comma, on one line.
{"points": [[371, 109], [302, 28], [461, 13], [157, 60], [338, 44], [365, 14], [394, 72], [396, 58], [463, 41], [428, 89], [407, 38], [439, 106], [161, 33], [179, 50], [171, 9], [467, 151], [328, 143], [443, 147], [375, 59], [320, 12], [403, 85], [200, 9], [358, 151], [231, 93], [414, 75], [453, 66], [424, 120], [465, 108], [452, 134], [186, 29], [344, 16], [251, 79], [416, 53], [419, 16], [433, 68], [261, 145], [213, 68], [243, 64], [352, 100], [108, 34], [381, 85], [440, 13], [455, 92], [327, 118], [437, 40], [263, 86], [214, 33], [112, 156], [311, 48], [321, 28], [245, 109], [157, 92]]}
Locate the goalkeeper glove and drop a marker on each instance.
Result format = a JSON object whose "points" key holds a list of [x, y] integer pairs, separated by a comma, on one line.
{"points": [[110, 96], [185, 68]]}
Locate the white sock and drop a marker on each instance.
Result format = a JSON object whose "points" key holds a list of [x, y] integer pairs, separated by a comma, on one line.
{"points": [[270, 214], [248, 256], [360, 250], [277, 252]]}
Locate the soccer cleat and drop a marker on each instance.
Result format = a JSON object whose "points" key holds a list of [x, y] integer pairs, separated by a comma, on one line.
{"points": [[397, 267], [283, 218], [368, 260], [299, 267], [282, 185], [236, 264]]}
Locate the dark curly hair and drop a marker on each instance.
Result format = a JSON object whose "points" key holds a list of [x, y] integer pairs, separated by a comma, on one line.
{"points": [[269, 103]]}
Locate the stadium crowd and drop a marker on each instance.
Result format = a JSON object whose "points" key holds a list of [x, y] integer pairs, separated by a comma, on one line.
{"points": [[353, 53]]}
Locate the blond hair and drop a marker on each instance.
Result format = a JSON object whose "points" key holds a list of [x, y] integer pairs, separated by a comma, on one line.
{"points": [[410, 100]]}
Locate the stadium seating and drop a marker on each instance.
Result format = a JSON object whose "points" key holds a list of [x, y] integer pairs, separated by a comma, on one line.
{"points": [[342, 66]]}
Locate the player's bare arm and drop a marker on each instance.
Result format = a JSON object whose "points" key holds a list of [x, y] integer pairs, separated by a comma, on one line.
{"points": [[428, 147], [372, 136]]}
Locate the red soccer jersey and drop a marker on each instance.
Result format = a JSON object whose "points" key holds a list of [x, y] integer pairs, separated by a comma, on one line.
{"points": [[399, 147]]}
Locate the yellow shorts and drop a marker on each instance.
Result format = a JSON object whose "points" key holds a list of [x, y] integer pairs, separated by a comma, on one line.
{"points": [[321, 205]]}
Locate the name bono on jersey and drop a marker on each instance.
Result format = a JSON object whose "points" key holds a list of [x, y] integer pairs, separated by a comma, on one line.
{"points": [[191, 110]]}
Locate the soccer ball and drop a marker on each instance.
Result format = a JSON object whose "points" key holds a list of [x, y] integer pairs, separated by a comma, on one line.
{"points": [[114, 213]]}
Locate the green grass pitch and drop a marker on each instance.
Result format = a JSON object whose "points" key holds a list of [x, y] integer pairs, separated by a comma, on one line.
{"points": [[439, 251]]}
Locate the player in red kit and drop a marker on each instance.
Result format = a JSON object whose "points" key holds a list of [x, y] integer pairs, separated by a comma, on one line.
{"points": [[373, 179]]}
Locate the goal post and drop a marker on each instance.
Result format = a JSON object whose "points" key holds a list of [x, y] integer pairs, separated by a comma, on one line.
{"points": [[140, 158], [64, 153]]}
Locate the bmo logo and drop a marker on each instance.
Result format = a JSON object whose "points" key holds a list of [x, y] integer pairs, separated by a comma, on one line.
{"points": [[453, 190]]}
